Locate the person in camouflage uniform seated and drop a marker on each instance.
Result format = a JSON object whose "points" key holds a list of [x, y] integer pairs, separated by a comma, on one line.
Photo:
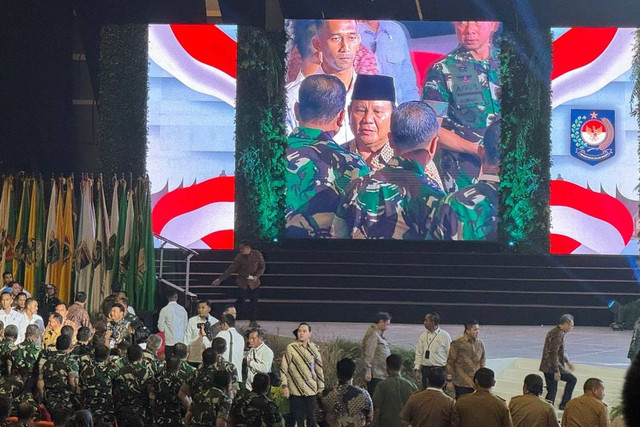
{"points": [[464, 89], [117, 327], [97, 375], [318, 169], [255, 409], [58, 378], [164, 395], [211, 406], [131, 387], [472, 212], [7, 346], [397, 201]]}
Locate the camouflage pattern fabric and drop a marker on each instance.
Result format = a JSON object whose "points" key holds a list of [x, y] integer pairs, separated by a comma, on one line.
{"points": [[24, 358], [80, 350], [396, 202], [200, 380], [466, 93], [165, 388], [254, 410], [318, 171], [223, 365], [185, 370], [96, 382], [56, 371], [131, 389], [6, 347], [469, 214], [13, 386], [120, 331], [208, 406], [156, 364]]}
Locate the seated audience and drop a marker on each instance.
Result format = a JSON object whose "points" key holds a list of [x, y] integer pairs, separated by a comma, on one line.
{"points": [[431, 406], [588, 409], [481, 404], [530, 410]]}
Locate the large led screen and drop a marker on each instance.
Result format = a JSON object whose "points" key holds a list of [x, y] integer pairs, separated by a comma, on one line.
{"points": [[191, 112], [410, 152], [594, 173]]}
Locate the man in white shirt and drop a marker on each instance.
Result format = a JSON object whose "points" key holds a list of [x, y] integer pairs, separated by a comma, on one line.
{"points": [[9, 316], [433, 346], [196, 331], [173, 322], [33, 318], [259, 358], [235, 341], [337, 41]]}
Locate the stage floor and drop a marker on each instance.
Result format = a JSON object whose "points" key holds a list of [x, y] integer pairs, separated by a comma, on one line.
{"points": [[584, 345]]}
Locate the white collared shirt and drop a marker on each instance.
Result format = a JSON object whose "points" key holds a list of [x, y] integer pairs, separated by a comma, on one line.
{"points": [[173, 322], [235, 352], [259, 359], [438, 343], [193, 332], [15, 318]]}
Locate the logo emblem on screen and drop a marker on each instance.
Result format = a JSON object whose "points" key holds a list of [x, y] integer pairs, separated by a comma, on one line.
{"points": [[593, 135]]}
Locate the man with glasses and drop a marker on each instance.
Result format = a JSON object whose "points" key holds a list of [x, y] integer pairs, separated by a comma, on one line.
{"points": [[555, 365]]}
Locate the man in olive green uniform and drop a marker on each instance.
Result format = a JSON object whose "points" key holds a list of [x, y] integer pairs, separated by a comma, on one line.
{"points": [[164, 394], [397, 201], [391, 394], [97, 374], [132, 386], [255, 408], [471, 213], [7, 346], [464, 88], [530, 410], [211, 407], [481, 408], [318, 169], [588, 409], [58, 379]]}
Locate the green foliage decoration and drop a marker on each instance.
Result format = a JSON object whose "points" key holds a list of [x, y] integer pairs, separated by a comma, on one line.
{"points": [[122, 105], [525, 142], [260, 134]]}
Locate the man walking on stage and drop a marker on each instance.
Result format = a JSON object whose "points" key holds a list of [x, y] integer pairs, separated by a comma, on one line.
{"points": [[555, 364], [432, 350], [249, 265]]}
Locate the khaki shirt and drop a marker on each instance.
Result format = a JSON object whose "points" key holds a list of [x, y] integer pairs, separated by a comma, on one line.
{"points": [[585, 411], [428, 408], [530, 410], [466, 356], [375, 350], [481, 409]]}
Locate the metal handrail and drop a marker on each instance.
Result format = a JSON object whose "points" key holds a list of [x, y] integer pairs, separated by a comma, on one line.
{"points": [[190, 254]]}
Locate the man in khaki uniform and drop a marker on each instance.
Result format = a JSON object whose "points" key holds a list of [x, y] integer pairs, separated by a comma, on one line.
{"points": [[481, 408], [429, 407], [529, 410], [587, 410]]}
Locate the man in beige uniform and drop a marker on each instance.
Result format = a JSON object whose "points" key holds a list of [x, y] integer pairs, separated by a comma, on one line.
{"points": [[429, 407], [529, 410], [587, 410], [481, 408]]}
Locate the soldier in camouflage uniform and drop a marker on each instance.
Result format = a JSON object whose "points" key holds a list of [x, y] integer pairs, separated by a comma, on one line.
{"points": [[220, 346], [164, 395], [255, 408], [131, 387], [464, 89], [82, 347], [181, 352], [397, 201], [117, 327], [24, 359], [212, 404], [7, 346], [472, 212], [150, 354], [58, 378], [97, 374], [318, 169]]}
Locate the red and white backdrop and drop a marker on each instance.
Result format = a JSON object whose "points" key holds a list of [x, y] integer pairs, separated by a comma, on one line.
{"points": [[594, 205], [192, 88]]}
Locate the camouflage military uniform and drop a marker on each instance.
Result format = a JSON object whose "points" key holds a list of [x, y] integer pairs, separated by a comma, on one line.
{"points": [[208, 406], [254, 410], [120, 331], [164, 391], [223, 365], [156, 364], [470, 213], [13, 386], [6, 347], [396, 202], [466, 93], [80, 350], [131, 390], [200, 380], [318, 171], [24, 357], [96, 382], [55, 373], [185, 370]]}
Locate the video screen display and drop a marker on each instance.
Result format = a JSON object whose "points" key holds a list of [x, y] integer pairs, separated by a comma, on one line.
{"points": [[191, 121], [594, 173], [393, 130]]}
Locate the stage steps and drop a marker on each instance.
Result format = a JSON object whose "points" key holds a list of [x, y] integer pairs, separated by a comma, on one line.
{"points": [[350, 281]]}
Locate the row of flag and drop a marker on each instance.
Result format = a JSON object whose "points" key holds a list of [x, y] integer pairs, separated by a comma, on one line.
{"points": [[78, 242]]}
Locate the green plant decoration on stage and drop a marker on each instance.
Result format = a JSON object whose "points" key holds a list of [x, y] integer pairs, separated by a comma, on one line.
{"points": [[122, 105], [525, 142], [260, 134]]}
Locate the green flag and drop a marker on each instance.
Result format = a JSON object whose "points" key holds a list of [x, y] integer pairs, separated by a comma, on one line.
{"points": [[22, 230], [146, 273]]}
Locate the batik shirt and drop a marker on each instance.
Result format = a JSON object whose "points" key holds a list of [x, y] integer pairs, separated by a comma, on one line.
{"points": [[318, 171], [348, 406], [396, 202], [466, 93]]}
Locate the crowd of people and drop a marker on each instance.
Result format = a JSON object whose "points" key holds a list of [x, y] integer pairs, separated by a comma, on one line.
{"points": [[202, 371], [369, 158]]}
